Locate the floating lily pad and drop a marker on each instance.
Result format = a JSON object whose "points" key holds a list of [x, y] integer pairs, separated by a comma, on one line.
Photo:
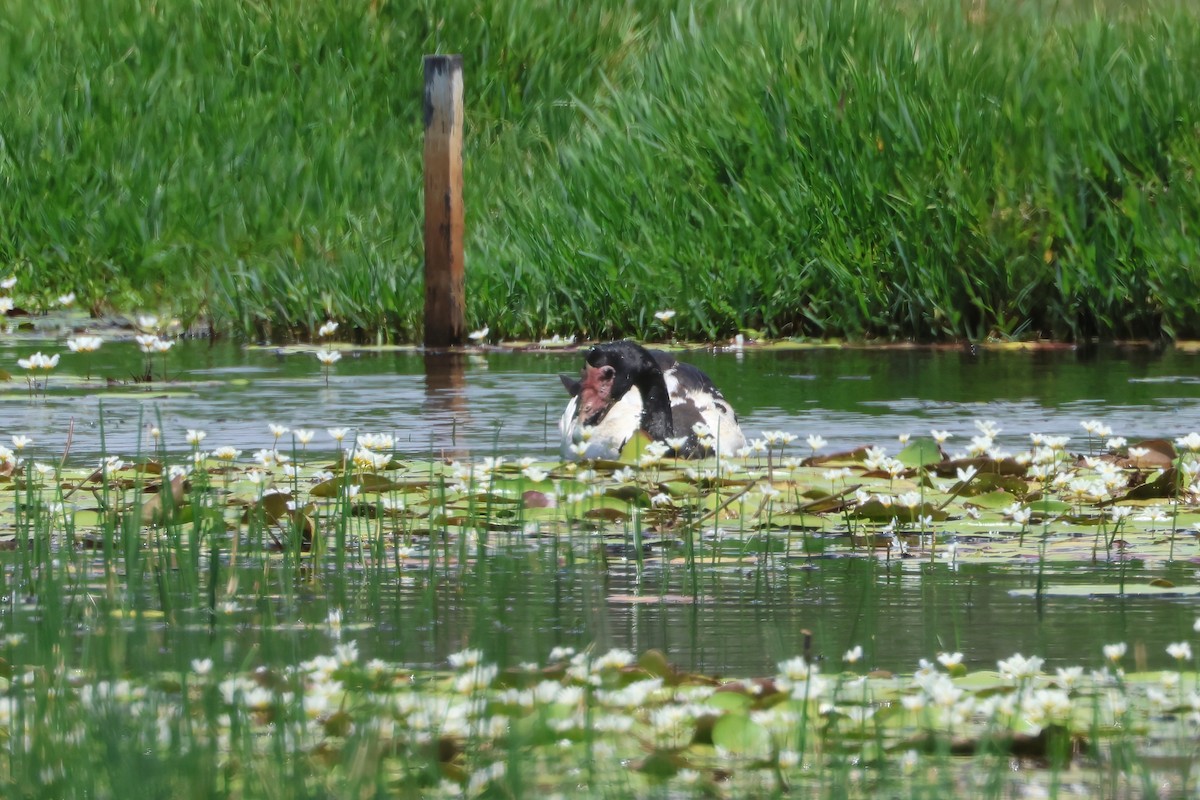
{"points": [[920, 452], [739, 734]]}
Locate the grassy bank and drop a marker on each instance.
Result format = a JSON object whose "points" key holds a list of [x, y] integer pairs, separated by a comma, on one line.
{"points": [[838, 169]]}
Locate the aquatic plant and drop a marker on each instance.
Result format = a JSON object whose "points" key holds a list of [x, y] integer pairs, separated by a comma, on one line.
{"points": [[35, 364], [567, 723], [231, 610]]}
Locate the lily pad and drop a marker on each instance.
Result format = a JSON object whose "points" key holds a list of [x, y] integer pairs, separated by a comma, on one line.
{"points": [[739, 734]]}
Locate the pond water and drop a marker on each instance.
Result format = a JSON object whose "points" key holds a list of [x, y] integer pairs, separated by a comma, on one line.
{"points": [[741, 622], [508, 403], [735, 621]]}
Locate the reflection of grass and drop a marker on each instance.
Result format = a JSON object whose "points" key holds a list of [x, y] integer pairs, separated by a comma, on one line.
{"points": [[153, 581]]}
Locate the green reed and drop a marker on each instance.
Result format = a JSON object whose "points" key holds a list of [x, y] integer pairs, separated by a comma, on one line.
{"points": [[112, 689], [822, 169]]}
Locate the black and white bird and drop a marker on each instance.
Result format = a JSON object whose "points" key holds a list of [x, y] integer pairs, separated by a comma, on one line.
{"points": [[625, 388]]}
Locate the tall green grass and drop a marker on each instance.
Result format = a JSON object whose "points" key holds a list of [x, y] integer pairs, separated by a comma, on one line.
{"points": [[933, 170]]}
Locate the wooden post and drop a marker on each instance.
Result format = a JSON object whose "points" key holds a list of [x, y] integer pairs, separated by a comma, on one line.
{"points": [[445, 278]]}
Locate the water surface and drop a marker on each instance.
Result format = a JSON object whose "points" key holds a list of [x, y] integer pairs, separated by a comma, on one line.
{"points": [[508, 403], [520, 603]]}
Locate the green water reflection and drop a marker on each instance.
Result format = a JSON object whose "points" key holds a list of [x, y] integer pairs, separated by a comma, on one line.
{"points": [[519, 606]]}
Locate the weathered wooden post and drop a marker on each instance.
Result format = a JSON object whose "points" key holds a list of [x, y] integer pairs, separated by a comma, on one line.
{"points": [[445, 278]]}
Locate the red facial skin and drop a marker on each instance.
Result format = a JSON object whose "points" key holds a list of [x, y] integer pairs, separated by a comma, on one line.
{"points": [[595, 392]]}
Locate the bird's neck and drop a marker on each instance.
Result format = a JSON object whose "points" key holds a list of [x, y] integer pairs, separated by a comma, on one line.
{"points": [[656, 408]]}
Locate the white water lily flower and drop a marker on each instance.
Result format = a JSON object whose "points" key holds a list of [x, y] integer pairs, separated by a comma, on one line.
{"points": [[774, 438], [1018, 667], [874, 458], [665, 315], [949, 660], [676, 443], [980, 445], [1069, 676], [1018, 513], [795, 669], [376, 440], [613, 659], [38, 361], [560, 654], [1048, 705], [84, 344], [535, 474], [370, 459], [943, 693], [623, 475], [1180, 651], [1114, 652], [1189, 442], [988, 428], [346, 654]]}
